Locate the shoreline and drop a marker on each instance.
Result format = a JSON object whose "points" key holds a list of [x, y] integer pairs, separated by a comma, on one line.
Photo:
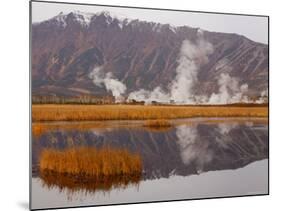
{"points": [[40, 127], [54, 112]]}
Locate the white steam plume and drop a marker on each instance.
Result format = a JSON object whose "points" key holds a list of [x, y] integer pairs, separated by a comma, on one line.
{"points": [[157, 94], [111, 84], [263, 97], [192, 56], [229, 91], [181, 90]]}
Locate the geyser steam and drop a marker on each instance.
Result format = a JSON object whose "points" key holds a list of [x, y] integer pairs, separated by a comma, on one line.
{"points": [[156, 94], [111, 84], [229, 91], [192, 56], [181, 89]]}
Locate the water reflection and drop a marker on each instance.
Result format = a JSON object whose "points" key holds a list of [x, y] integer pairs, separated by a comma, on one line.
{"points": [[222, 146], [72, 185], [191, 147]]}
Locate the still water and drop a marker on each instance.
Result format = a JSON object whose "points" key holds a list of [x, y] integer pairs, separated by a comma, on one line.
{"points": [[195, 158]]}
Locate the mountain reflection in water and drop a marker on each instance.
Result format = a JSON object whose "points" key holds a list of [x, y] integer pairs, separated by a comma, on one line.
{"points": [[186, 149]]}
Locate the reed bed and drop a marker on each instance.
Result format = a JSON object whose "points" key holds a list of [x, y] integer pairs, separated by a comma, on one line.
{"points": [[39, 128], [85, 162], [139, 112], [157, 123]]}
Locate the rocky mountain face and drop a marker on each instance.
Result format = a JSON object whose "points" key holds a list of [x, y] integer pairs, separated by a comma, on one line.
{"points": [[140, 54]]}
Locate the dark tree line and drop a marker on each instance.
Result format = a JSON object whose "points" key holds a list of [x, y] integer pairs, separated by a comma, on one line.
{"points": [[72, 100]]}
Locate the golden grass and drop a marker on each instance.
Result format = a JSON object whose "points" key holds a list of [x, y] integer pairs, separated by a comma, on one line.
{"points": [[139, 112], [89, 169], [85, 162], [39, 128], [157, 123]]}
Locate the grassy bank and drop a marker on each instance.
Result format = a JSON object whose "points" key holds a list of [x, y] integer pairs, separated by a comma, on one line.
{"points": [[89, 169], [156, 123], [140, 112], [85, 162]]}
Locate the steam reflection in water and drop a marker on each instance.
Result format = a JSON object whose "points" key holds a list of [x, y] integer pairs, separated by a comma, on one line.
{"points": [[189, 148]]}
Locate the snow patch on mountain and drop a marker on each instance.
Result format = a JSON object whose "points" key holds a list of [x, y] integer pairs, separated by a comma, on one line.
{"points": [[85, 19], [60, 19]]}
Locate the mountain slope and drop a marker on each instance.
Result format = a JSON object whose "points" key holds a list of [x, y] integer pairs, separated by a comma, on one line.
{"points": [[66, 48]]}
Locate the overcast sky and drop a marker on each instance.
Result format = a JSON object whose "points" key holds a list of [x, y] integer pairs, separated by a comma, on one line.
{"points": [[255, 28]]}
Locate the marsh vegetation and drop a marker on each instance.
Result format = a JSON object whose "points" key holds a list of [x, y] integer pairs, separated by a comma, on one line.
{"points": [[140, 112], [89, 162]]}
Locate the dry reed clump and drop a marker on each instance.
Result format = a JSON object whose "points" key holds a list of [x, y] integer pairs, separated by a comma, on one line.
{"points": [[157, 123], [139, 112], [84, 162], [37, 130]]}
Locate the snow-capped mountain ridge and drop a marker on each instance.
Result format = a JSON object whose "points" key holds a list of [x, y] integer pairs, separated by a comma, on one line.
{"points": [[85, 19], [141, 54]]}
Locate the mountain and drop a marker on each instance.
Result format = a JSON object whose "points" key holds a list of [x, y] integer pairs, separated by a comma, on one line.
{"points": [[140, 54]]}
